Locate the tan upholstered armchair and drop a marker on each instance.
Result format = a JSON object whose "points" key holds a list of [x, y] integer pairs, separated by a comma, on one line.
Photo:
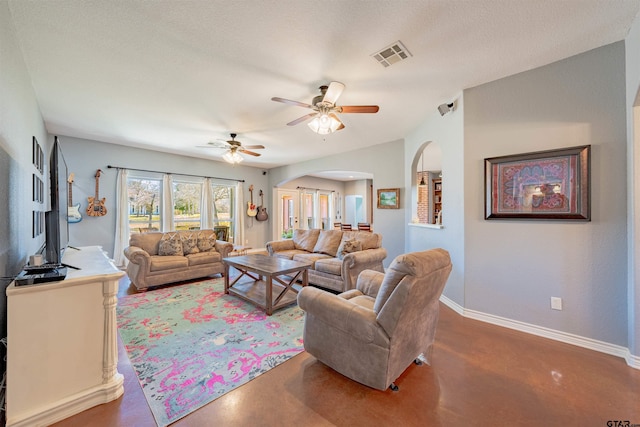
{"points": [[371, 334]]}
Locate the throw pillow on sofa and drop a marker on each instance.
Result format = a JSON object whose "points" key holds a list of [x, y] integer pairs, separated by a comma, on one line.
{"points": [[328, 242], [368, 240], [347, 247], [189, 243], [170, 245], [206, 242], [305, 239]]}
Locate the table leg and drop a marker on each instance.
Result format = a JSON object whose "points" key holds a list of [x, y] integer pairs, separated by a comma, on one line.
{"points": [[226, 278], [269, 295]]}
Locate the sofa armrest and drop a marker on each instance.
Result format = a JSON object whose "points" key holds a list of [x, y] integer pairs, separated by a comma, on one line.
{"points": [[369, 282], [224, 248], [356, 262], [339, 313], [139, 265], [280, 245], [351, 293], [138, 256]]}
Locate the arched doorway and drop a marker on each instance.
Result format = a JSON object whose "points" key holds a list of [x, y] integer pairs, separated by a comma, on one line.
{"points": [[323, 199], [428, 207]]}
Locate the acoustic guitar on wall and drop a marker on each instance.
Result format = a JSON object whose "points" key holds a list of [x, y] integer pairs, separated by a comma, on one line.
{"points": [[251, 208], [262, 211], [73, 211], [96, 204]]}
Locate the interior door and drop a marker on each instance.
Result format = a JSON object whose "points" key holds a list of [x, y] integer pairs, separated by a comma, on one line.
{"points": [[288, 211], [354, 210], [324, 210], [308, 212]]}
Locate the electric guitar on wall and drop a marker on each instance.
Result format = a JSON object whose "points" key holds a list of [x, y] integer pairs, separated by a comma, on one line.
{"points": [[73, 211], [262, 211], [251, 208], [96, 204]]}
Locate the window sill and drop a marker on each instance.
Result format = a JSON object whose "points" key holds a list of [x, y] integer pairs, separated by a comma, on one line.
{"points": [[433, 226]]}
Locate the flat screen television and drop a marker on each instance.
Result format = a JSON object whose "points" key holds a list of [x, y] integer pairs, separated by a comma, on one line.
{"points": [[56, 225]]}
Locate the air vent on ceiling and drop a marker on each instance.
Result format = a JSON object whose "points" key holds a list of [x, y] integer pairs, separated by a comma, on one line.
{"points": [[391, 54]]}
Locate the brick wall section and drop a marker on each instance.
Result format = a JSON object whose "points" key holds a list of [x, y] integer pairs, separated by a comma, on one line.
{"points": [[423, 199]]}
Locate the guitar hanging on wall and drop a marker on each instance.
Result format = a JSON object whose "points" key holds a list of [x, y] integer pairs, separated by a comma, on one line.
{"points": [[73, 211], [262, 211], [96, 204], [251, 208]]}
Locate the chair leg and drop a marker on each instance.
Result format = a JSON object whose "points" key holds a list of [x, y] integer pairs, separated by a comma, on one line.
{"points": [[427, 355], [393, 386]]}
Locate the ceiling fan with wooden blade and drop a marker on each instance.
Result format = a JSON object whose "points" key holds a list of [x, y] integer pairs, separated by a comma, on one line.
{"points": [[234, 147], [325, 120]]}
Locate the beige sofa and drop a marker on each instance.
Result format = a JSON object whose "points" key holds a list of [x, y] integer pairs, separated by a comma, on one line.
{"points": [[336, 257], [159, 258]]}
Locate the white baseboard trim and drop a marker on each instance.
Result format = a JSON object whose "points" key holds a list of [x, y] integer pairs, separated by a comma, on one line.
{"points": [[633, 361], [64, 408], [591, 344]]}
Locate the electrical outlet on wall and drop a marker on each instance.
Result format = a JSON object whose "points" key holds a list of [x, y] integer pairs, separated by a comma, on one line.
{"points": [[556, 303]]}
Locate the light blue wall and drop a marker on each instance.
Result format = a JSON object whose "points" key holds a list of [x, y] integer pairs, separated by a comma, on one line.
{"points": [[84, 157], [632, 63], [447, 132], [386, 163], [512, 268], [20, 120], [314, 182]]}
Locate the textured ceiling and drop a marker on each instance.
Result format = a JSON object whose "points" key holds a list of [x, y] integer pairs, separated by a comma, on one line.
{"points": [[172, 75]]}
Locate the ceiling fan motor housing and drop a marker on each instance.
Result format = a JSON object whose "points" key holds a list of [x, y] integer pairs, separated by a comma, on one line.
{"points": [[319, 98], [234, 144]]}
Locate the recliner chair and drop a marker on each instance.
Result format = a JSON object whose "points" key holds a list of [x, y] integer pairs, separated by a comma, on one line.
{"points": [[371, 334]]}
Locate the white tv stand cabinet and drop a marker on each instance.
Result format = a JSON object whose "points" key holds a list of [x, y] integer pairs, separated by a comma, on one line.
{"points": [[62, 352]]}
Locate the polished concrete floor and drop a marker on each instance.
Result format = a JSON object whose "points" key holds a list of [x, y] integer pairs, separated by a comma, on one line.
{"points": [[481, 375]]}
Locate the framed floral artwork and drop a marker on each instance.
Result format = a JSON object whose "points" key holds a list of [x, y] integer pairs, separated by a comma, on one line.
{"points": [[552, 184]]}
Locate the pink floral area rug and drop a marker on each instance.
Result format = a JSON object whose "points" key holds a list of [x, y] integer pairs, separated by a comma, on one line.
{"points": [[190, 344]]}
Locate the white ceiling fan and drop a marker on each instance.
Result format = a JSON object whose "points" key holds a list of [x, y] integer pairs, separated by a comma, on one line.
{"points": [[234, 148], [325, 118]]}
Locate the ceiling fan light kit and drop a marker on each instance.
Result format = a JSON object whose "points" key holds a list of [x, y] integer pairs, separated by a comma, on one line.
{"points": [[233, 157], [325, 124], [324, 119]]}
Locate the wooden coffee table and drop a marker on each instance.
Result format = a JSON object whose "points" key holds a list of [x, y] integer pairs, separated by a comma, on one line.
{"points": [[267, 288]]}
